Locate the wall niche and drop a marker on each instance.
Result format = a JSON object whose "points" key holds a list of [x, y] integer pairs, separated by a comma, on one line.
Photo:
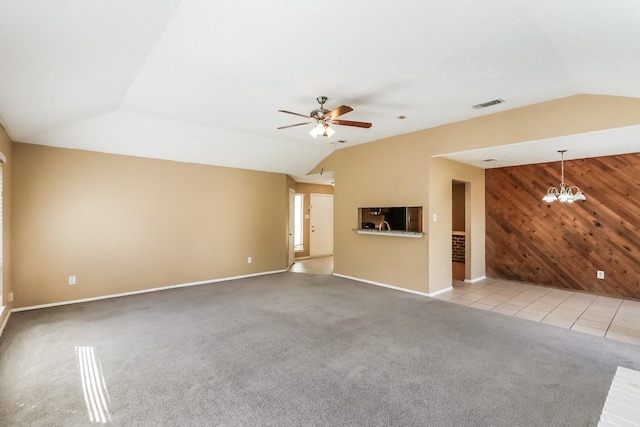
{"points": [[395, 218]]}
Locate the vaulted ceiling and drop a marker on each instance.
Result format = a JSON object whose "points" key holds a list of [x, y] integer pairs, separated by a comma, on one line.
{"points": [[202, 81]]}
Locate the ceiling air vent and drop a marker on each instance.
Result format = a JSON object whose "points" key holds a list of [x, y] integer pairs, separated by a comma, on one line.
{"points": [[488, 104]]}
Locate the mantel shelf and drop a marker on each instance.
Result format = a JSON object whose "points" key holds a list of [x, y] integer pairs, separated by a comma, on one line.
{"points": [[394, 233]]}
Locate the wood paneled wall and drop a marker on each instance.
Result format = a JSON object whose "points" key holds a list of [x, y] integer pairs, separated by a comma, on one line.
{"points": [[563, 245]]}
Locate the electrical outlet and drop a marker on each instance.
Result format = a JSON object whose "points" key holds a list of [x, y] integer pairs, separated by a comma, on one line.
{"points": [[249, 260], [72, 280], [10, 297], [600, 274], [435, 217]]}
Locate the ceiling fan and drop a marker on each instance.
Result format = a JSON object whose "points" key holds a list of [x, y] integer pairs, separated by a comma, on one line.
{"points": [[323, 118]]}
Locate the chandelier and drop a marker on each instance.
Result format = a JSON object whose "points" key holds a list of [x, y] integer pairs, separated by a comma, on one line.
{"points": [[565, 194]]}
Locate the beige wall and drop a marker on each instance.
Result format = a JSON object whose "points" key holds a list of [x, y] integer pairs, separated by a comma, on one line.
{"points": [[6, 148], [443, 172], [123, 224], [385, 173], [307, 189], [560, 117], [402, 171]]}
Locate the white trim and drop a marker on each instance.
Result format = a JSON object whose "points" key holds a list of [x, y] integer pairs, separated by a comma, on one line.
{"points": [[144, 291], [6, 318], [382, 284], [477, 279], [441, 291]]}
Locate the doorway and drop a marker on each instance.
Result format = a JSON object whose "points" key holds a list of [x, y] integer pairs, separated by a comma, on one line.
{"points": [[290, 237], [319, 265], [459, 194], [321, 225]]}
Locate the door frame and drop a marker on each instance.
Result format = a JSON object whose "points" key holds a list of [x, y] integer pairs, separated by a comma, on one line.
{"points": [[291, 258]]}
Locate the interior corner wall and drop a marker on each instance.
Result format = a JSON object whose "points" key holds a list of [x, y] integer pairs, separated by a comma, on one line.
{"points": [[442, 173], [307, 189], [124, 224], [6, 148]]}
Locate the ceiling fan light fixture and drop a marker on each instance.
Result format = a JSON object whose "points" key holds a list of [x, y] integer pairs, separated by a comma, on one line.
{"points": [[328, 132], [323, 117], [318, 129], [321, 129]]}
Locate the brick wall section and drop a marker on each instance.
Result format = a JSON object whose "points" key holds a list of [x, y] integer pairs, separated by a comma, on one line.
{"points": [[457, 247]]}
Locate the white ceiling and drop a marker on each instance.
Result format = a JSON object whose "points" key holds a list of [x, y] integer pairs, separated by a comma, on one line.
{"points": [[201, 81], [622, 140]]}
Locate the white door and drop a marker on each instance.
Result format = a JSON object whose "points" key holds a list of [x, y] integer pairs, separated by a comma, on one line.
{"points": [[292, 253], [321, 220]]}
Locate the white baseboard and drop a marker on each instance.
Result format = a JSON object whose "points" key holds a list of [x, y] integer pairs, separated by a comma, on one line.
{"points": [[384, 285], [441, 291], [144, 291], [477, 279]]}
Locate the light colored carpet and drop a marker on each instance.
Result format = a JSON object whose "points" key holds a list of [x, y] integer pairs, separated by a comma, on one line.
{"points": [[299, 349]]}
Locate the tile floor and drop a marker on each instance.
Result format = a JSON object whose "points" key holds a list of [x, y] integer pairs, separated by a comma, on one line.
{"points": [[607, 317], [614, 318], [320, 265]]}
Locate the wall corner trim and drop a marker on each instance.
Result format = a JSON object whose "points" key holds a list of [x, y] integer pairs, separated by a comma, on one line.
{"points": [[382, 284], [6, 319], [477, 279], [144, 291]]}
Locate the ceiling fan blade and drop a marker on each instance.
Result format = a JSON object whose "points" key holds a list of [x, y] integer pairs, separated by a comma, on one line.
{"points": [[337, 112], [295, 114], [297, 124], [349, 123]]}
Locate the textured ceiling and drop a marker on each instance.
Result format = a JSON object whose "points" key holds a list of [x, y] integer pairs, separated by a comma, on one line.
{"points": [[201, 81]]}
